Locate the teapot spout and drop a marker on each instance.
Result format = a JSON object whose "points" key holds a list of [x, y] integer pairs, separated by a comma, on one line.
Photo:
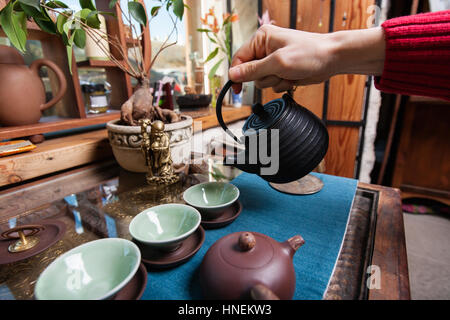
{"points": [[293, 244]]}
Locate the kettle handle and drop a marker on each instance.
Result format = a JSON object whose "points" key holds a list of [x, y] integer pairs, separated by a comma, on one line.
{"points": [[59, 75], [222, 93]]}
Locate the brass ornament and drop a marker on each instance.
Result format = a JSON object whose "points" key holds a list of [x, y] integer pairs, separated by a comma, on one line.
{"points": [[24, 242], [156, 149]]}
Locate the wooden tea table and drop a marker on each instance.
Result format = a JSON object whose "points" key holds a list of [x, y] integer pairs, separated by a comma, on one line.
{"points": [[101, 192]]}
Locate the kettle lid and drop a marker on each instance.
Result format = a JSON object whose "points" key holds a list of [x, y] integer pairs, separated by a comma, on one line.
{"points": [[265, 116]]}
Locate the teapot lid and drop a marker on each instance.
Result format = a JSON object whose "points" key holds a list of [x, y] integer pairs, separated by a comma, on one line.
{"points": [[264, 117], [245, 250]]}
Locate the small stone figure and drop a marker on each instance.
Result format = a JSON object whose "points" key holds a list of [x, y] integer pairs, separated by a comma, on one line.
{"points": [[156, 149]]}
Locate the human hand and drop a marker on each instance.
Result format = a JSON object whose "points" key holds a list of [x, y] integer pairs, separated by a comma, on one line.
{"points": [[283, 58]]}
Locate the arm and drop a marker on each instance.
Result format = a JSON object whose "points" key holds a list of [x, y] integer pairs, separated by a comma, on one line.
{"points": [[409, 55]]}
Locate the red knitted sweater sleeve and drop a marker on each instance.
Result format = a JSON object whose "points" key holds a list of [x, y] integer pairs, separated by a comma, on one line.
{"points": [[417, 55]]}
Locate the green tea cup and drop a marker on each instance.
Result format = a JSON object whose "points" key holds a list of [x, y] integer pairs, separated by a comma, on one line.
{"points": [[95, 270], [211, 198], [164, 227]]}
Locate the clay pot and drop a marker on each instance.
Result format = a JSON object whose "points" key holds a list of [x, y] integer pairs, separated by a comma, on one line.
{"points": [[126, 143], [244, 265], [22, 93]]}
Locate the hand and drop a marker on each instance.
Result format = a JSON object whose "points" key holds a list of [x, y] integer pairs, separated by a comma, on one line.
{"points": [[283, 58]]}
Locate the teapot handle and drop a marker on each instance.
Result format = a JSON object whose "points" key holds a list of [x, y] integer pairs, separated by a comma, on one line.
{"points": [[222, 93], [36, 65]]}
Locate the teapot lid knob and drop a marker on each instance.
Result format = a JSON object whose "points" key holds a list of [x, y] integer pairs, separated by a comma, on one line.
{"points": [[247, 241]]}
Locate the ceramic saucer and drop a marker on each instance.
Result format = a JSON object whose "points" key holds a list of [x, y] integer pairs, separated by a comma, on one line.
{"points": [[53, 231], [155, 259], [230, 214], [135, 288], [307, 185]]}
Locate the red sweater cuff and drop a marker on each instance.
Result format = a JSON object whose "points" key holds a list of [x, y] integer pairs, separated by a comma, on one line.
{"points": [[417, 55]]}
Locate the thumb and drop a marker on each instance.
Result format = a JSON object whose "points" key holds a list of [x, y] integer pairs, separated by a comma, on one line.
{"points": [[250, 71]]}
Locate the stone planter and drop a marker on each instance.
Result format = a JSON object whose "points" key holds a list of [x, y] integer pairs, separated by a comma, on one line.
{"points": [[126, 143]]}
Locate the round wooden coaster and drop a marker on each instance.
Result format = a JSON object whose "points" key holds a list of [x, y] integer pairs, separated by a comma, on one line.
{"points": [[230, 214], [155, 259], [307, 185], [53, 231], [135, 288]]}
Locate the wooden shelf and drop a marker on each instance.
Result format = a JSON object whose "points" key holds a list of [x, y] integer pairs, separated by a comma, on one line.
{"points": [[229, 114], [55, 155], [58, 154], [96, 64], [44, 127]]}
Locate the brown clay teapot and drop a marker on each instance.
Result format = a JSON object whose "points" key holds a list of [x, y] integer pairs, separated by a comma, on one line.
{"points": [[249, 265], [22, 93]]}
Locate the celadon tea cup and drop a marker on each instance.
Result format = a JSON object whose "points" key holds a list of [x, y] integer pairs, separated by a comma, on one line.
{"points": [[211, 198], [92, 271], [164, 227]]}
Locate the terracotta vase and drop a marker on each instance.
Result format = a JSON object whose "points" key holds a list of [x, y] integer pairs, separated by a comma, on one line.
{"points": [[22, 93]]}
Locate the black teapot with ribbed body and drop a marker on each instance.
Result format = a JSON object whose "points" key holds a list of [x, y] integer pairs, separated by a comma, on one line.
{"points": [[283, 140]]}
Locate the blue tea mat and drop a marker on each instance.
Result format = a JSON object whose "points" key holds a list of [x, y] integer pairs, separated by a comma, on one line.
{"points": [[321, 219]]}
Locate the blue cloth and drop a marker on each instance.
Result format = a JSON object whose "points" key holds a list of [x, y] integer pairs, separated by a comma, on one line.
{"points": [[321, 219]]}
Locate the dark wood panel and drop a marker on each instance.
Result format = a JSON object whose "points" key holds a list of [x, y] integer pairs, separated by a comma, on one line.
{"points": [[423, 156], [312, 16], [389, 252], [279, 11], [340, 158], [346, 95]]}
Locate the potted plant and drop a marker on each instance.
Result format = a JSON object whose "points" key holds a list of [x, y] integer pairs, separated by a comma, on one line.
{"points": [[74, 27], [220, 37]]}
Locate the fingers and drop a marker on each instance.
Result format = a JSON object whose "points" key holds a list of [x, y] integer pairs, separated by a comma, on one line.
{"points": [[252, 70], [267, 82], [284, 85], [253, 49]]}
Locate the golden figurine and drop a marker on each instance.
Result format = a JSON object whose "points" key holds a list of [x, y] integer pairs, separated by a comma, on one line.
{"points": [[156, 149]]}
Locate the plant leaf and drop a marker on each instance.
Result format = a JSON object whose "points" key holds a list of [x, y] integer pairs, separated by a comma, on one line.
{"points": [[69, 55], [178, 8], [203, 30], [87, 4], [33, 12], [60, 21], [112, 14], [47, 26], [211, 39], [212, 55], [155, 10], [138, 12], [92, 20], [56, 4], [112, 3], [80, 38], [13, 27], [32, 3], [213, 71]]}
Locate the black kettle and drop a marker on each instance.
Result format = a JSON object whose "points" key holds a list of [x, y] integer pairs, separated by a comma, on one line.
{"points": [[283, 140]]}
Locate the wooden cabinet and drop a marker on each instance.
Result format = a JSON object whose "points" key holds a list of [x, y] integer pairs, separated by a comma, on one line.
{"points": [[340, 101], [71, 109], [422, 166]]}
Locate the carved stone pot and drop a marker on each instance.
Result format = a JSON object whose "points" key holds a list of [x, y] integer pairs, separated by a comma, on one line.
{"points": [[126, 143]]}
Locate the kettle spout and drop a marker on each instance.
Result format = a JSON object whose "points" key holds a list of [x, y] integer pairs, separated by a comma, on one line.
{"points": [[293, 244]]}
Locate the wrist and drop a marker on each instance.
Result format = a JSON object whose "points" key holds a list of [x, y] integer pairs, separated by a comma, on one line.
{"points": [[358, 51]]}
